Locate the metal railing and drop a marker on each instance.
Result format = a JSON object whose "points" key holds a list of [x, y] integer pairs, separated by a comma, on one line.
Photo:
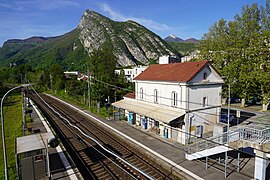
{"points": [[254, 134]]}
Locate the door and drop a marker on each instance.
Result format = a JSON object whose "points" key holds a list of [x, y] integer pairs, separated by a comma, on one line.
{"points": [[174, 134]]}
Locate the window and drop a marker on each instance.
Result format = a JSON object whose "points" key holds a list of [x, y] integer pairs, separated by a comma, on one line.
{"points": [[155, 96], [204, 101], [141, 93], [204, 76], [156, 124], [174, 99]]}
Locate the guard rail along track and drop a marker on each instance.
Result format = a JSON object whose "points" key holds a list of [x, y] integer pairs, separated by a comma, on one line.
{"points": [[74, 130]]}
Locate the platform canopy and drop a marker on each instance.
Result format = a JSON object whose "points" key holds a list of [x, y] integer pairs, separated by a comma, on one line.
{"points": [[154, 111], [32, 142]]}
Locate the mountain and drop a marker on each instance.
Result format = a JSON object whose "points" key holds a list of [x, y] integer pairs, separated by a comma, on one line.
{"points": [[34, 39], [131, 42], [192, 40], [173, 38], [65, 50], [184, 47]]}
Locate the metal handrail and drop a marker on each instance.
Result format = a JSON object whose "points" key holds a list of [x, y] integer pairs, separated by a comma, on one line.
{"points": [[257, 134]]}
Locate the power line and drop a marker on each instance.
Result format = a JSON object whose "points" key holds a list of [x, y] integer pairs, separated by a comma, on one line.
{"points": [[160, 97], [93, 139], [187, 133]]}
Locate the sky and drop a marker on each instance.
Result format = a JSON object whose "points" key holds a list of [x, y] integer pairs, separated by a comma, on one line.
{"points": [[21, 19]]}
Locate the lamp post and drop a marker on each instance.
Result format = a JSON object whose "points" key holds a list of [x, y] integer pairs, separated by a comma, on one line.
{"points": [[89, 89], [3, 129], [229, 103], [228, 124]]}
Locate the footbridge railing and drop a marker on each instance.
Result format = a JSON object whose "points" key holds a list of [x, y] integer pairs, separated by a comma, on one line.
{"points": [[252, 133]]}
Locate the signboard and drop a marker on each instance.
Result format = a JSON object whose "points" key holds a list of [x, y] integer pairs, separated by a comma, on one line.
{"points": [[238, 113], [192, 128]]}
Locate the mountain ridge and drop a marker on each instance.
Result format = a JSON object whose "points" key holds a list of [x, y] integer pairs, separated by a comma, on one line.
{"points": [[173, 38], [132, 44], [138, 43]]}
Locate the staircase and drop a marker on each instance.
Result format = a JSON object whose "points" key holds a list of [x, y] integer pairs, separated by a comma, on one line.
{"points": [[254, 135]]}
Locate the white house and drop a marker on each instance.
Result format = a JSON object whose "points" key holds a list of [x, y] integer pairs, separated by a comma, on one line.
{"points": [[175, 100], [131, 73], [167, 59], [193, 54]]}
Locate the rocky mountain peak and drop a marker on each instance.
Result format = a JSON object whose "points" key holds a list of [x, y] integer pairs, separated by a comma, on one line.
{"points": [[132, 43], [173, 38]]}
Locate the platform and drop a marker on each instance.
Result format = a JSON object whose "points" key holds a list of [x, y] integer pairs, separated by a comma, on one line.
{"points": [[172, 154], [60, 164]]}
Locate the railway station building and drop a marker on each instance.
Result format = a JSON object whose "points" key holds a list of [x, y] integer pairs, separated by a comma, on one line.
{"points": [[176, 100]]}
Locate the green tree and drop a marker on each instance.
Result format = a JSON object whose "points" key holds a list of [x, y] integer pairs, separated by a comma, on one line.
{"points": [[102, 68], [57, 77], [262, 56], [239, 49]]}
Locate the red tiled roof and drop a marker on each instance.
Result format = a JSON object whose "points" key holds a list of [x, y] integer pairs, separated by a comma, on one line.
{"points": [[130, 95], [179, 72]]}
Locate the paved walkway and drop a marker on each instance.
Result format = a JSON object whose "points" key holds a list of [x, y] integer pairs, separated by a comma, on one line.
{"points": [[176, 153]]}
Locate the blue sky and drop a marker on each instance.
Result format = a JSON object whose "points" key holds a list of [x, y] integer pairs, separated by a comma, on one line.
{"points": [[183, 18]]}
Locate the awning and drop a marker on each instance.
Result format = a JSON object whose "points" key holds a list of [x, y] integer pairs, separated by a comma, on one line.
{"points": [[154, 111]]}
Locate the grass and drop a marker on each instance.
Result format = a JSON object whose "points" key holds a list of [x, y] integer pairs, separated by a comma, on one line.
{"points": [[13, 129]]}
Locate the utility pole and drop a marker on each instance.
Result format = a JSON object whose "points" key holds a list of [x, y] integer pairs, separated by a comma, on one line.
{"points": [[108, 107], [229, 103], [51, 81], [27, 90], [228, 127], [23, 111], [89, 88]]}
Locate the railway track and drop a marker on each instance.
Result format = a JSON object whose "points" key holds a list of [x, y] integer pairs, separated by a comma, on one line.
{"points": [[86, 140]]}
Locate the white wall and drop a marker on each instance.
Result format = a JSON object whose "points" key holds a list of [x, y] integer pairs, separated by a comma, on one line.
{"points": [[164, 59], [206, 117], [164, 92], [138, 70], [212, 76], [211, 92], [189, 97], [130, 74]]}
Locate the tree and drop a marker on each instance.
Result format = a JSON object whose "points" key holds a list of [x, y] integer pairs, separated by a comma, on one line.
{"points": [[239, 49], [263, 56], [57, 77], [102, 68]]}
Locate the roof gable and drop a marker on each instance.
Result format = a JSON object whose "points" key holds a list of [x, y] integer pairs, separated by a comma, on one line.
{"points": [[178, 72]]}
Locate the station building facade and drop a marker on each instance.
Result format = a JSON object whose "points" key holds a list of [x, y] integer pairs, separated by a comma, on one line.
{"points": [[175, 100]]}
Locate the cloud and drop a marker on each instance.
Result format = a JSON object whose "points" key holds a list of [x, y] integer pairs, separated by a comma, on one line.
{"points": [[9, 6], [146, 22], [37, 4], [58, 4]]}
